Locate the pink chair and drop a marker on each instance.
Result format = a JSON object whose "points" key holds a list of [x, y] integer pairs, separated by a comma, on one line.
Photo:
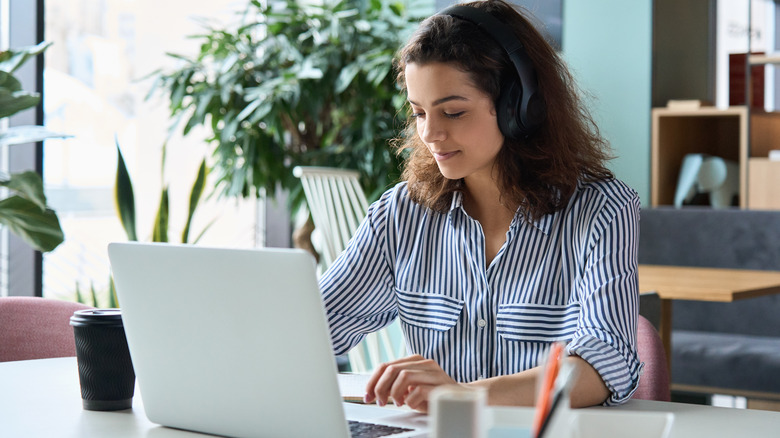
{"points": [[654, 381], [36, 328]]}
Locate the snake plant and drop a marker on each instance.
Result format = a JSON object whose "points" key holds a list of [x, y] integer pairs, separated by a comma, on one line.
{"points": [[125, 203]]}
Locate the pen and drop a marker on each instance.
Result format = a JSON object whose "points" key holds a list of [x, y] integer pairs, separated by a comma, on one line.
{"points": [[567, 371], [555, 402], [543, 401]]}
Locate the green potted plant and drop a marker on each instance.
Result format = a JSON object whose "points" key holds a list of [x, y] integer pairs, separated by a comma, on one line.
{"points": [[124, 197], [295, 84], [24, 211], [125, 202]]}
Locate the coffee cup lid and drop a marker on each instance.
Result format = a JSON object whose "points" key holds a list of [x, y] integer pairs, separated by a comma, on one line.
{"points": [[105, 317]]}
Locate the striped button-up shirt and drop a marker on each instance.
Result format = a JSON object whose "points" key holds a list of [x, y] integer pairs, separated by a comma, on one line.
{"points": [[571, 276]]}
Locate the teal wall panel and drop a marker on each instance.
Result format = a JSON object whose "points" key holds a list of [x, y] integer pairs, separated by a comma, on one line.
{"points": [[608, 46]]}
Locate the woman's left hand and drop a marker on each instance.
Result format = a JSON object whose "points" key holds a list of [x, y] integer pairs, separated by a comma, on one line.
{"points": [[407, 381]]}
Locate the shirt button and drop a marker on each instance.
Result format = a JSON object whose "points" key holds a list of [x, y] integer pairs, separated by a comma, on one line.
{"points": [[481, 323]]}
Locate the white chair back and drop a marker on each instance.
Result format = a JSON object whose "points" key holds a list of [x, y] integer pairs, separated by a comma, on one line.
{"points": [[337, 205]]}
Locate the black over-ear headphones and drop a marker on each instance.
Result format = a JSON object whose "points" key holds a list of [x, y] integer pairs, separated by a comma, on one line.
{"points": [[520, 107]]}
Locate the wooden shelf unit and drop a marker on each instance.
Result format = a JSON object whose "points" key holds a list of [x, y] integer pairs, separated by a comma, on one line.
{"points": [[770, 58], [707, 130], [763, 184], [762, 174], [723, 133]]}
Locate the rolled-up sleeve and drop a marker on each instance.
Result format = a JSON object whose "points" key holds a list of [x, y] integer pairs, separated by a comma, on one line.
{"points": [[606, 333]]}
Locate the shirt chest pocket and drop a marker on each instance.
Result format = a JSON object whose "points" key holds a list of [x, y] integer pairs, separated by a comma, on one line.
{"points": [[427, 310], [536, 323]]}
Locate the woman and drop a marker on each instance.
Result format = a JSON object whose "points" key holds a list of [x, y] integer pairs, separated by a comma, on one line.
{"points": [[508, 233]]}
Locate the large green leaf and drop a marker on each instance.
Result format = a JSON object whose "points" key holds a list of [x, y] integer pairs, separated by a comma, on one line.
{"points": [[27, 134], [39, 228], [25, 213], [9, 83], [13, 102], [124, 197], [12, 98], [28, 185], [11, 60]]}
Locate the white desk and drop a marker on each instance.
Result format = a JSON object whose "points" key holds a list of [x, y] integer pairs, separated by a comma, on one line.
{"points": [[41, 398]]}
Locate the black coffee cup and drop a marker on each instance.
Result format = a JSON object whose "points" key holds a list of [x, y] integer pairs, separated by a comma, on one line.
{"points": [[105, 370]]}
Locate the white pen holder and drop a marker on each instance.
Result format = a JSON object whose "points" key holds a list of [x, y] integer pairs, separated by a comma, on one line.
{"points": [[458, 412]]}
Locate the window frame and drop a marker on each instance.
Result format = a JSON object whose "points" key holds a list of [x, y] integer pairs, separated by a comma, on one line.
{"points": [[22, 264]]}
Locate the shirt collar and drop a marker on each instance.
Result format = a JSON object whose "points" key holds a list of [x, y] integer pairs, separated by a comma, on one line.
{"points": [[457, 201], [543, 224]]}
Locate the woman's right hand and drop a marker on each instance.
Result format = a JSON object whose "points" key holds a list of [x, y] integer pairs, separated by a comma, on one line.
{"points": [[406, 381]]}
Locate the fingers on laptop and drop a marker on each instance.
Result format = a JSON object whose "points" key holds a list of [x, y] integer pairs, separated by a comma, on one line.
{"points": [[379, 372], [406, 381], [417, 397], [379, 385]]}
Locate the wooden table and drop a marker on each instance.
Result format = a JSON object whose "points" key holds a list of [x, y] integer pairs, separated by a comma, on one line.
{"points": [[702, 284]]}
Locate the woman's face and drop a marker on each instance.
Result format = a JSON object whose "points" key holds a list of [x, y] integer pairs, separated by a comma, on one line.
{"points": [[455, 119]]}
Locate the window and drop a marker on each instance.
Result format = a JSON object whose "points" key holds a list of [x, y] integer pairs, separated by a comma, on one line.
{"points": [[95, 91]]}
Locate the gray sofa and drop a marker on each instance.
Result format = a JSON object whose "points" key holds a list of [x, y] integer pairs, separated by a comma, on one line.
{"points": [[720, 348]]}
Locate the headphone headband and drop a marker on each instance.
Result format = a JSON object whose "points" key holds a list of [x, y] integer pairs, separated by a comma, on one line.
{"points": [[489, 24], [520, 107]]}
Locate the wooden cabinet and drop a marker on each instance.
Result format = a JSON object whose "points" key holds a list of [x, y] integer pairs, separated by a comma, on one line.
{"points": [[723, 133]]}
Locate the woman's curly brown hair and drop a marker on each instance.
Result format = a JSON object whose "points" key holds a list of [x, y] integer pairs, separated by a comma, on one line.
{"points": [[538, 173]]}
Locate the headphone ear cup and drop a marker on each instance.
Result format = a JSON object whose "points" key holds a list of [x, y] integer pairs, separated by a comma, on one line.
{"points": [[534, 113], [508, 110], [514, 120]]}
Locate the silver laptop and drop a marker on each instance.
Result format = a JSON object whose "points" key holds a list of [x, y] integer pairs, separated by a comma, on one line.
{"points": [[235, 342]]}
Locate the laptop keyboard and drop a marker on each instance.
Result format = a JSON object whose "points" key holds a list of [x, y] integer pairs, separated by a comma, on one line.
{"points": [[359, 429]]}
